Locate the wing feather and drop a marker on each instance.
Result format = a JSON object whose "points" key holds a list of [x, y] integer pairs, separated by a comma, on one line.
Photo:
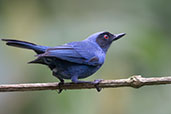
{"points": [[75, 53]]}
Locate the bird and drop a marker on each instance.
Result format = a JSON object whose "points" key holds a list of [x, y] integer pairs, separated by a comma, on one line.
{"points": [[75, 60]]}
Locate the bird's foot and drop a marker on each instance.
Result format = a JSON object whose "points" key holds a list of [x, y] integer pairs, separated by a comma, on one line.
{"points": [[96, 84], [60, 84]]}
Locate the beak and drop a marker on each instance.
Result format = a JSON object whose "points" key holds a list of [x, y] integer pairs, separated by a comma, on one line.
{"points": [[118, 36]]}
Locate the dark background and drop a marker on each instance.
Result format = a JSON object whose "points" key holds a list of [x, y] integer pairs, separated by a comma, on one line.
{"points": [[144, 50]]}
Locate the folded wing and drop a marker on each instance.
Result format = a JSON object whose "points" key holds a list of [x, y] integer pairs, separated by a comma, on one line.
{"points": [[75, 53]]}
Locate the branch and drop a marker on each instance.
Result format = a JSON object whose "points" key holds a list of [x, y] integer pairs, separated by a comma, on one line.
{"points": [[134, 81]]}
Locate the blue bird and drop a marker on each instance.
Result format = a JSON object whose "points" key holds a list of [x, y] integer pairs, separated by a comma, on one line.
{"points": [[74, 60]]}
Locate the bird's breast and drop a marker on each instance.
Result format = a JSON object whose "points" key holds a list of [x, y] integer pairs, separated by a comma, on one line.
{"points": [[101, 56]]}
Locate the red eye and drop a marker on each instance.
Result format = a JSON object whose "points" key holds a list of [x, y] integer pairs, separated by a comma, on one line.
{"points": [[106, 36]]}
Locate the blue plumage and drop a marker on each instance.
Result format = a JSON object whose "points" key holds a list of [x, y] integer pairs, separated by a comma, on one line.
{"points": [[73, 60]]}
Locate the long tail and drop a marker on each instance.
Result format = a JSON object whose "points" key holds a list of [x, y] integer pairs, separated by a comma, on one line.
{"points": [[27, 45]]}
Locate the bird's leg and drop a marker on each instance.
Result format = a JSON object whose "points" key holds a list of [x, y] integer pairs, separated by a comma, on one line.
{"points": [[61, 80], [60, 84], [96, 83], [74, 79]]}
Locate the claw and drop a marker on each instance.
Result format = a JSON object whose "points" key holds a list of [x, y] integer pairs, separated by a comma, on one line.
{"points": [[60, 84], [97, 88], [60, 90], [96, 83]]}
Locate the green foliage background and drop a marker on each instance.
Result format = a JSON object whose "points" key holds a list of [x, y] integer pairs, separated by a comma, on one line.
{"points": [[144, 50]]}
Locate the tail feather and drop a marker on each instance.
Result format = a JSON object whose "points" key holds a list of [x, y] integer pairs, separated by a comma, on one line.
{"points": [[18, 43], [27, 45]]}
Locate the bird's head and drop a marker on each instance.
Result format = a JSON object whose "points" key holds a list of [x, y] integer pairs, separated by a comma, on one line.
{"points": [[104, 39]]}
